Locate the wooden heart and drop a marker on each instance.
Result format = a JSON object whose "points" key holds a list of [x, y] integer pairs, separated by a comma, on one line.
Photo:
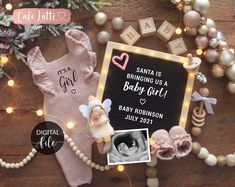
{"points": [[124, 59]]}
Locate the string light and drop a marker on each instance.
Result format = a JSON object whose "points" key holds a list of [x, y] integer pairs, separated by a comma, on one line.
{"points": [[120, 168], [4, 59], [70, 125], [178, 31], [39, 112], [151, 141], [105, 72], [199, 52], [9, 110], [9, 6], [11, 83]]}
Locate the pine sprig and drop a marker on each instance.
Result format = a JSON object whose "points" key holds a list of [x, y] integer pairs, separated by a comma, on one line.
{"points": [[13, 43], [87, 4]]}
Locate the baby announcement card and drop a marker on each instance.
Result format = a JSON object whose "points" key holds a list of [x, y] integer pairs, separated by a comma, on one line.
{"points": [[148, 89]]}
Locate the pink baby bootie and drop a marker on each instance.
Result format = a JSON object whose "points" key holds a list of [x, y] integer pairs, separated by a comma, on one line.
{"points": [[182, 141], [162, 145]]}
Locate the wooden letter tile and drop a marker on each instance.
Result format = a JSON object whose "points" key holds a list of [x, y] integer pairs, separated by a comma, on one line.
{"points": [[130, 35], [165, 31], [177, 46], [147, 27]]}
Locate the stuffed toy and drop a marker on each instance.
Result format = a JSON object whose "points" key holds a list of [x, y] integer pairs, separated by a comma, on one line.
{"points": [[98, 120]]}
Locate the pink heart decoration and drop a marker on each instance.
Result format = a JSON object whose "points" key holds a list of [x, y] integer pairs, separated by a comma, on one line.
{"points": [[121, 58]]}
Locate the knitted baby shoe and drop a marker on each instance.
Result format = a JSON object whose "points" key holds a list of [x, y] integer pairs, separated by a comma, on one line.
{"points": [[162, 145], [182, 141]]}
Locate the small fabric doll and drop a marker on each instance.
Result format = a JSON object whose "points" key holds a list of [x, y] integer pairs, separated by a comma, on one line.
{"points": [[98, 120]]}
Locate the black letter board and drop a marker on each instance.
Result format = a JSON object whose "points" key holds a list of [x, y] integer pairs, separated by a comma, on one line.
{"points": [[148, 89]]}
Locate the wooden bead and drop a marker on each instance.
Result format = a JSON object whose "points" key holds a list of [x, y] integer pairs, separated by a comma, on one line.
{"points": [[28, 158], [17, 165], [153, 182], [221, 160], [34, 151], [66, 136], [72, 144], [199, 116], [101, 168], [7, 166], [31, 155], [230, 158], [107, 168], [198, 124], [151, 172], [81, 156], [84, 159], [197, 120], [203, 154], [204, 92], [93, 165], [153, 161], [12, 165], [196, 131], [75, 148], [88, 162], [78, 152], [211, 160], [196, 147], [3, 164], [69, 140], [25, 161], [97, 167], [21, 164]]}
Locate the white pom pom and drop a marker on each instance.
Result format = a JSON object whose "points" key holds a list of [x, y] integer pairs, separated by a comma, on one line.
{"points": [[211, 160], [203, 154], [152, 182]]}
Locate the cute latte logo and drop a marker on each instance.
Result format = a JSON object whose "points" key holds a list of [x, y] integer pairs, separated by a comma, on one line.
{"points": [[28, 16], [47, 137]]}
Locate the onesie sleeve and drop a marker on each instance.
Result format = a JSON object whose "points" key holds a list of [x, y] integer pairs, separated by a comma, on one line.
{"points": [[79, 44], [37, 64]]}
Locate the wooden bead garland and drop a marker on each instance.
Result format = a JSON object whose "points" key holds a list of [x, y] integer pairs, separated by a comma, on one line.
{"points": [[73, 146], [211, 159], [151, 172], [202, 152], [21, 164], [83, 157]]}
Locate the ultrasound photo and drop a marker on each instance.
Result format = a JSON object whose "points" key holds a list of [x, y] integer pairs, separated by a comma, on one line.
{"points": [[129, 147]]}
